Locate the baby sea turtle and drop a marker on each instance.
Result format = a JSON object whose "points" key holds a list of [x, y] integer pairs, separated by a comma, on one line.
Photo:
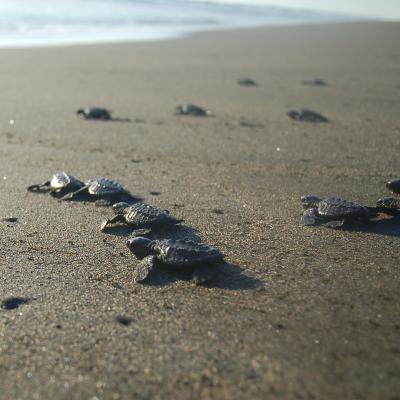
{"points": [[10, 303], [59, 185], [333, 212], [140, 215], [94, 113], [247, 82], [100, 188], [304, 115], [198, 259], [191, 109]]}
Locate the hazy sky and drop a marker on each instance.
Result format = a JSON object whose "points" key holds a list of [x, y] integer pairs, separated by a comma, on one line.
{"points": [[389, 9]]}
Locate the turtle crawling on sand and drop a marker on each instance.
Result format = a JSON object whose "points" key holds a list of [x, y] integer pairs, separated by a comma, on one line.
{"points": [[333, 212], [10, 303], [101, 188], [191, 109], [197, 259], [247, 82], [304, 115], [59, 185], [140, 215], [94, 113]]}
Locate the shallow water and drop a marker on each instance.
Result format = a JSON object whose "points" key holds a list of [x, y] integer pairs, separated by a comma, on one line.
{"points": [[49, 22]]}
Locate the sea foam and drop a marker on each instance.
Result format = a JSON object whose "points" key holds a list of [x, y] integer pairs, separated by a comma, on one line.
{"points": [[56, 22]]}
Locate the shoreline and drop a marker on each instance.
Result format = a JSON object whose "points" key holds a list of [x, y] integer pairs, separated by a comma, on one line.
{"points": [[362, 20]]}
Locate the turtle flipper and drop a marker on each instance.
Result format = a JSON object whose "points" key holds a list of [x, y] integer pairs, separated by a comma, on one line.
{"points": [[36, 188], [143, 269], [310, 217], [57, 193], [204, 274], [105, 225], [335, 224], [74, 195]]}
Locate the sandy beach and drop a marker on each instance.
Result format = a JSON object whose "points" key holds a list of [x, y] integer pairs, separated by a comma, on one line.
{"points": [[299, 312]]}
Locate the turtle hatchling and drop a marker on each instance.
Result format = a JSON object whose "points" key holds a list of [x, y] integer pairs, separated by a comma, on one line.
{"points": [[247, 82], [59, 185], [333, 212], [197, 259], [306, 116], [100, 188], [94, 113], [140, 215], [191, 109]]}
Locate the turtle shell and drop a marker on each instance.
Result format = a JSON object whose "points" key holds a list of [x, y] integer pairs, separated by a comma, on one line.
{"points": [[191, 109], [104, 187], [96, 113], [62, 180], [142, 215], [306, 116], [185, 252], [389, 205], [247, 82], [389, 202], [334, 207]]}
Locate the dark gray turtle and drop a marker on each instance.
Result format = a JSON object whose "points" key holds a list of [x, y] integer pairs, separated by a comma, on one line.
{"points": [[191, 109], [389, 205], [394, 186], [59, 185], [94, 113], [101, 188], [247, 82], [198, 259], [140, 215], [333, 212], [10, 303], [314, 82], [304, 115]]}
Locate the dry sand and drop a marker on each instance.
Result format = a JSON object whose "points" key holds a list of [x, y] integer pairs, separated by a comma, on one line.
{"points": [[302, 313]]}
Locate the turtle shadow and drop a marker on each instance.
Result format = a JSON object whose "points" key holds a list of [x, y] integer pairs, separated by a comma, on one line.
{"points": [[101, 202], [228, 277], [118, 119], [167, 232], [112, 119], [231, 277], [385, 227]]}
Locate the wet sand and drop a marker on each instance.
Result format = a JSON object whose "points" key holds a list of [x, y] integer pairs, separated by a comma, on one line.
{"points": [[299, 313]]}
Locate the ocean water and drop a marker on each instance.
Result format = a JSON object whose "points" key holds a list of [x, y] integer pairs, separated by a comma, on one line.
{"points": [[57, 22]]}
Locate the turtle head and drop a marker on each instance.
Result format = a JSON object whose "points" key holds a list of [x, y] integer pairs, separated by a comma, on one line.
{"points": [[310, 201], [139, 246], [120, 207], [80, 111], [179, 109], [394, 186]]}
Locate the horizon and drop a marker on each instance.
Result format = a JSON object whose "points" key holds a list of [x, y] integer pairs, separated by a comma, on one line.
{"points": [[363, 8]]}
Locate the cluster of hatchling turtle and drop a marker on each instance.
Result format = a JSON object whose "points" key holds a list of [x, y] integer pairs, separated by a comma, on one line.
{"points": [[334, 212], [198, 260], [301, 115]]}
